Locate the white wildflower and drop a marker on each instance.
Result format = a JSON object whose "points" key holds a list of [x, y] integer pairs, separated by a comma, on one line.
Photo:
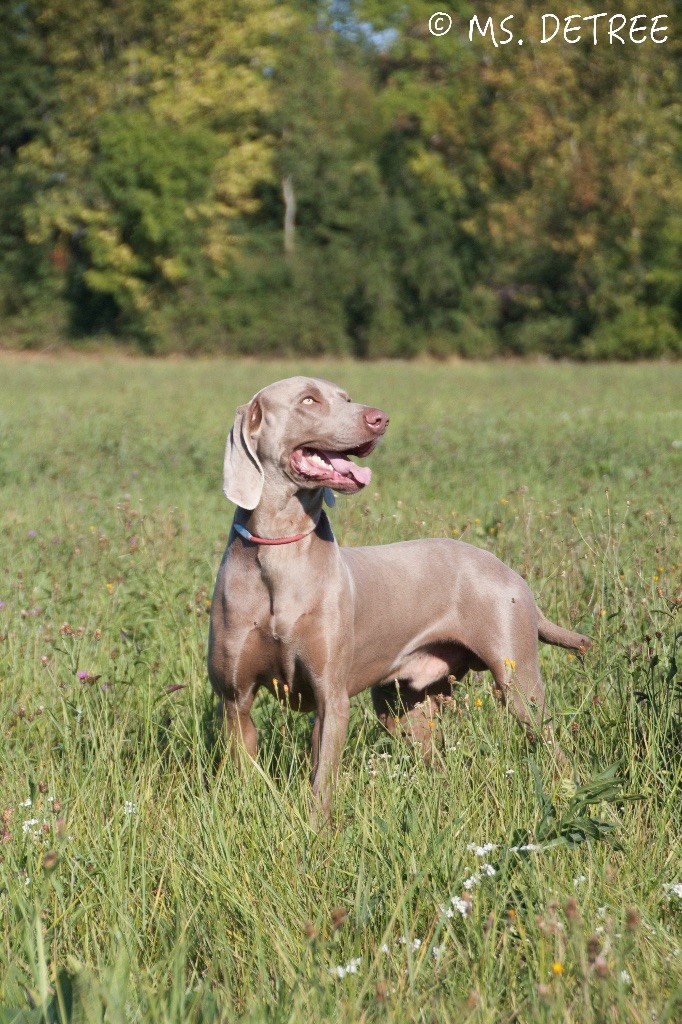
{"points": [[27, 802], [471, 881], [481, 851], [625, 977], [341, 970], [384, 948], [674, 889], [129, 807], [28, 825], [488, 869], [579, 879], [460, 905]]}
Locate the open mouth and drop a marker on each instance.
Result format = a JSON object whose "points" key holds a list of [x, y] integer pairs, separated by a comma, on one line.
{"points": [[334, 469]]}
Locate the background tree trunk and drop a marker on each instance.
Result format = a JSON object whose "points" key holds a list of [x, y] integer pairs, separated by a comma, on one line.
{"points": [[289, 213]]}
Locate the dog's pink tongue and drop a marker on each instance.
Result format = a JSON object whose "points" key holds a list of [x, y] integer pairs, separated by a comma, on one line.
{"points": [[362, 474]]}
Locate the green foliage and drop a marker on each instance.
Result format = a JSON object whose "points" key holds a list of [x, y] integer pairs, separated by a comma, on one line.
{"points": [[551, 334], [154, 146], [144, 236], [637, 332], [26, 87], [330, 177], [576, 824]]}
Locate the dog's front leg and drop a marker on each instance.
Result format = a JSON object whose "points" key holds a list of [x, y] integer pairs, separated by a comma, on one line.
{"points": [[315, 752], [329, 736], [239, 732]]}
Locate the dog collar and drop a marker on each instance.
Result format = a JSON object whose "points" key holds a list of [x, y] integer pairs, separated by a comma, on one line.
{"points": [[247, 535]]}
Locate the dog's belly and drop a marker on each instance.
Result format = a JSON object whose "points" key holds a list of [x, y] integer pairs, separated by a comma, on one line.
{"points": [[422, 668], [429, 666], [419, 670]]}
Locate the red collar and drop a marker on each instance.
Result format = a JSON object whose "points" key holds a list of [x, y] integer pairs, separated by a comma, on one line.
{"points": [[247, 535]]}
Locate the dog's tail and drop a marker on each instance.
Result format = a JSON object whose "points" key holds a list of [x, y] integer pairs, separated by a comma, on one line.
{"points": [[550, 633]]}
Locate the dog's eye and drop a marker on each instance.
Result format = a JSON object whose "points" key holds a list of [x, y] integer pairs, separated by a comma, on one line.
{"points": [[308, 400]]}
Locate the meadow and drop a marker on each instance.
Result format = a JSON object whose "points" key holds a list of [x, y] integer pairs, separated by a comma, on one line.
{"points": [[143, 879]]}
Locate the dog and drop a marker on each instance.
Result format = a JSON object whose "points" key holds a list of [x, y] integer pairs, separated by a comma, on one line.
{"points": [[315, 623]]}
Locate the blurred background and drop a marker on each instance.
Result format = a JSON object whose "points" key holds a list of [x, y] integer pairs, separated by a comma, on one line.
{"points": [[301, 178]]}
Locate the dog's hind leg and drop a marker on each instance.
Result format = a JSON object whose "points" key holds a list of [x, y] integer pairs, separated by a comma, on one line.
{"points": [[414, 716], [519, 684]]}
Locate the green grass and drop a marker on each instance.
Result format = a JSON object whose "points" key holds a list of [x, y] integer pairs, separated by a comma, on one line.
{"points": [[160, 886]]}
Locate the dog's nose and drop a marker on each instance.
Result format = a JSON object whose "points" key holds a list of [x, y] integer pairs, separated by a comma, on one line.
{"points": [[376, 420]]}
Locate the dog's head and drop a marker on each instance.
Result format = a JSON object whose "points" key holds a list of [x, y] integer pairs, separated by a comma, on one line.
{"points": [[305, 430]]}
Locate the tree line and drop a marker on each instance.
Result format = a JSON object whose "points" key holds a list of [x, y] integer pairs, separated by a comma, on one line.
{"points": [[290, 176]]}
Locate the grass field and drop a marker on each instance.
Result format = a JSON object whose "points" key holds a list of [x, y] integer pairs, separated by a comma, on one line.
{"points": [[141, 880]]}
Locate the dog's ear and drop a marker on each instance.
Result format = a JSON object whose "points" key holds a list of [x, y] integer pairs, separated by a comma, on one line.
{"points": [[242, 471]]}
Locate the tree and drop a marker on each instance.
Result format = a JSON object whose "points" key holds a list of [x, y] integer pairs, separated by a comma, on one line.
{"points": [[281, 176], [157, 127], [26, 82]]}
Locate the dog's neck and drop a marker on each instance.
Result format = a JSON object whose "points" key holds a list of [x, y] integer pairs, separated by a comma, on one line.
{"points": [[282, 515]]}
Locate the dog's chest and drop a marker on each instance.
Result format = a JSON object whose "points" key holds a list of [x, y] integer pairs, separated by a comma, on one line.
{"points": [[276, 654], [279, 622], [280, 608]]}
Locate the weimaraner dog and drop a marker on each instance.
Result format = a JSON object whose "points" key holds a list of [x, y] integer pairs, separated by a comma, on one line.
{"points": [[316, 624]]}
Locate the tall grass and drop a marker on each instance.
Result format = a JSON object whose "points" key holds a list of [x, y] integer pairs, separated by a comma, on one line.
{"points": [[147, 880]]}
